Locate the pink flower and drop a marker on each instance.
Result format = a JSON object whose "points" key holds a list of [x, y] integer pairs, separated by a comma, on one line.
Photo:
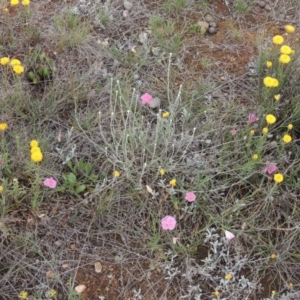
{"points": [[233, 131], [270, 167], [190, 197], [252, 118], [168, 223], [146, 98], [50, 183], [229, 235]]}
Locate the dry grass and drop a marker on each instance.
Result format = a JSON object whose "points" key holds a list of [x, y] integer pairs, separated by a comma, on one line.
{"points": [[82, 104]]}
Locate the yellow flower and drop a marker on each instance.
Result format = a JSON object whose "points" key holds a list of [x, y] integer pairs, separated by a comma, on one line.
{"points": [[290, 127], [37, 156], [265, 130], [23, 295], [173, 182], [52, 293], [34, 143], [273, 255], [269, 64], [287, 138], [271, 119], [35, 149], [217, 293], [291, 284], [277, 97], [285, 49], [255, 156], [1, 188], [228, 276], [3, 126], [4, 61], [252, 132], [270, 82], [14, 2], [6, 9], [278, 177], [273, 292], [278, 40], [162, 172], [14, 62], [284, 59], [18, 69], [165, 114], [117, 173], [25, 2], [289, 28]]}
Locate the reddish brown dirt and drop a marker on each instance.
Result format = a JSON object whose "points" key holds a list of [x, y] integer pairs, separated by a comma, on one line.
{"points": [[122, 281]]}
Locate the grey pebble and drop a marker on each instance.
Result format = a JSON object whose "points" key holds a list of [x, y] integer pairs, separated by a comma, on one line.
{"points": [[268, 7], [213, 24], [212, 30], [261, 4], [281, 16]]}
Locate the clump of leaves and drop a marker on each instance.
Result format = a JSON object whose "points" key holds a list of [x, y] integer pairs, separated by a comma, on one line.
{"points": [[80, 179], [42, 66]]}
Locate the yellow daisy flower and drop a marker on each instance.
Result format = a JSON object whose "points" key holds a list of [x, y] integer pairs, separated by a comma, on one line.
{"points": [[278, 39], [271, 119], [287, 138], [278, 177], [289, 28], [173, 182], [4, 61], [284, 58]]}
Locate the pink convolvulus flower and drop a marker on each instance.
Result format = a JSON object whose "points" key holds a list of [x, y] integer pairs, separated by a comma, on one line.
{"points": [[168, 223], [233, 131], [190, 197], [50, 183], [146, 98], [252, 118], [270, 167]]}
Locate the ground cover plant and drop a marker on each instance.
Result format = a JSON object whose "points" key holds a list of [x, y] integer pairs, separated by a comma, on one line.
{"points": [[149, 150]]}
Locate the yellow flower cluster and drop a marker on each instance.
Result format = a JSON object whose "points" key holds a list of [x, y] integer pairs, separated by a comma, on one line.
{"points": [[270, 82], [16, 2], [36, 153], [14, 63]]}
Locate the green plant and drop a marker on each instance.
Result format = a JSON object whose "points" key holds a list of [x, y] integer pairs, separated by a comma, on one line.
{"points": [[71, 31], [80, 179], [42, 66]]}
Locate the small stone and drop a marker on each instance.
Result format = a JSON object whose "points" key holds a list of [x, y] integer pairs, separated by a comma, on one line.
{"points": [[98, 267], [143, 37], [128, 5], [155, 102], [212, 30], [261, 4], [80, 288], [281, 16], [268, 7], [50, 274], [208, 18], [213, 24], [65, 266], [125, 13]]}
